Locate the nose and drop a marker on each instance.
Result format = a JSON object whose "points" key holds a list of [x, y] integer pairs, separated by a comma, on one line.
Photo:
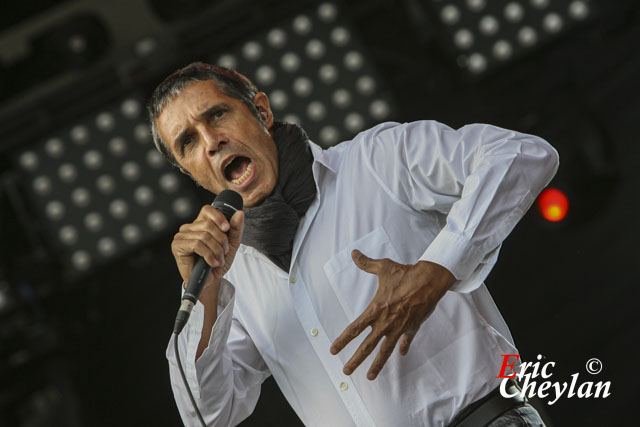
{"points": [[212, 140]]}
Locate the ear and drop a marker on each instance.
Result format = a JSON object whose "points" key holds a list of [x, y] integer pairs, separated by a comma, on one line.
{"points": [[261, 101]]}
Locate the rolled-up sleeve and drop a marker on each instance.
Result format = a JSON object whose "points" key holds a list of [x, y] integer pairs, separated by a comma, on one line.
{"points": [[226, 378], [484, 178]]}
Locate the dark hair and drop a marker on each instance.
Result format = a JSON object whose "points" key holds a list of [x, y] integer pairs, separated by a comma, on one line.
{"points": [[229, 82]]}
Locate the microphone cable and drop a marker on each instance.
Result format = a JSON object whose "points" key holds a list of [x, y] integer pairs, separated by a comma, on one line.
{"points": [[184, 380]]}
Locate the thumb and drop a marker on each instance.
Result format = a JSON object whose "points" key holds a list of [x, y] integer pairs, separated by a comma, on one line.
{"points": [[237, 227], [363, 262]]}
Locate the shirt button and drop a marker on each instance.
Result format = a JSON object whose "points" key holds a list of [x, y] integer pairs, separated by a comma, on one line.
{"points": [[344, 386], [314, 332], [292, 279]]}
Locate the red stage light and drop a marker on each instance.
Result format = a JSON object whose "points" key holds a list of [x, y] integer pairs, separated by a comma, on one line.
{"points": [[553, 204]]}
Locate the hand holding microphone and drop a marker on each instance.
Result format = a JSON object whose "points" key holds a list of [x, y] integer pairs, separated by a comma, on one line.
{"points": [[211, 241]]}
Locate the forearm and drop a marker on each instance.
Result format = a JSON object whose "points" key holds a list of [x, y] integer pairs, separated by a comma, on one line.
{"points": [[209, 299]]}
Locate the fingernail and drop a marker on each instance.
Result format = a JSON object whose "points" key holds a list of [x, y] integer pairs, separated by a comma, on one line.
{"points": [[224, 226], [225, 246], [347, 371], [371, 376]]}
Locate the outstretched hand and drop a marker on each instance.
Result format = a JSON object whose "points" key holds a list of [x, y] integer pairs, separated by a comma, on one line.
{"points": [[406, 296]]}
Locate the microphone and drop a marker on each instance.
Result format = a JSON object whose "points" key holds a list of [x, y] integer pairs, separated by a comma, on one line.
{"points": [[227, 202]]}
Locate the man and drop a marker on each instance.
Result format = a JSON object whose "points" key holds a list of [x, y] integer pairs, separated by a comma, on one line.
{"points": [[354, 276]]}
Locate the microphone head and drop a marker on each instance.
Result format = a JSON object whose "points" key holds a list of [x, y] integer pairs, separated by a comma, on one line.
{"points": [[228, 202]]}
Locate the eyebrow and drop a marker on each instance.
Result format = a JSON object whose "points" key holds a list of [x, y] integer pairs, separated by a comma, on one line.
{"points": [[178, 143]]}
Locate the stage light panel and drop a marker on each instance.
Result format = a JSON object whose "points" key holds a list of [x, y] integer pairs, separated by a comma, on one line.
{"points": [[485, 35], [316, 73], [100, 187]]}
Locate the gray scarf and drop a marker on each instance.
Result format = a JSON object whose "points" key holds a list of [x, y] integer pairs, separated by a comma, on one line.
{"points": [[271, 226]]}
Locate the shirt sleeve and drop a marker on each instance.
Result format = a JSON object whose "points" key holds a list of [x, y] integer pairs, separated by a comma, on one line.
{"points": [[226, 378], [482, 177]]}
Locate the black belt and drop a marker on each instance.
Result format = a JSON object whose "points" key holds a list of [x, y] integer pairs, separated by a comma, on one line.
{"points": [[482, 412]]}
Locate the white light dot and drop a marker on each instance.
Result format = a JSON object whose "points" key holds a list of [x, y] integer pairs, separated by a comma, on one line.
{"points": [[513, 12], [54, 147], [92, 159], [276, 38], [290, 62], [105, 121], [379, 109], [315, 49], [578, 10], [67, 172], [293, 119], [527, 36], [141, 132], [81, 260], [302, 24], [302, 86], [29, 160], [252, 50], [327, 12], [106, 246], [68, 235], [227, 61], [340, 36], [93, 221], [117, 146], [169, 182], [157, 220], [146, 46], [278, 99], [105, 184], [463, 38], [81, 197], [477, 63], [476, 5], [54, 210], [42, 185], [118, 208], [353, 60], [130, 108], [329, 135], [265, 75], [366, 85], [79, 134], [552, 22], [341, 98], [489, 25], [131, 233], [450, 14], [354, 122], [540, 4], [130, 171], [143, 195], [154, 158], [502, 49], [316, 111], [328, 73], [181, 207]]}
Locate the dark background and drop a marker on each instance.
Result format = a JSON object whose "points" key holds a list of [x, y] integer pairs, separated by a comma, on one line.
{"points": [[89, 351]]}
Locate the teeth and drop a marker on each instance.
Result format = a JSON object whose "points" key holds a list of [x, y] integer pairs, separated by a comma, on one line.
{"points": [[245, 175]]}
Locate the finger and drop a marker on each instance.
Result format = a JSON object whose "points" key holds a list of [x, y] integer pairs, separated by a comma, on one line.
{"points": [[405, 342], [386, 349], [210, 227], [353, 330], [365, 263], [216, 216], [366, 348], [184, 248], [205, 237], [237, 228]]}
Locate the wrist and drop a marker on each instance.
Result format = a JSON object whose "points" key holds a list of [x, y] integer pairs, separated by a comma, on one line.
{"points": [[439, 274]]}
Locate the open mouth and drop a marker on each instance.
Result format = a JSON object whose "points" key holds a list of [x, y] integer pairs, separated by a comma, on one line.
{"points": [[238, 170]]}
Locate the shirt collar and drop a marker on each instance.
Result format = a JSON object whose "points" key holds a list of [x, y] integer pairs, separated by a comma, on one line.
{"points": [[321, 156]]}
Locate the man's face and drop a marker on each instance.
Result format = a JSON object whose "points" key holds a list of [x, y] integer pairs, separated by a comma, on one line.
{"points": [[220, 142]]}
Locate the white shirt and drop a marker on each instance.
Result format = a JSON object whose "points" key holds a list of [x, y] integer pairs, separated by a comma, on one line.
{"points": [[408, 192]]}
